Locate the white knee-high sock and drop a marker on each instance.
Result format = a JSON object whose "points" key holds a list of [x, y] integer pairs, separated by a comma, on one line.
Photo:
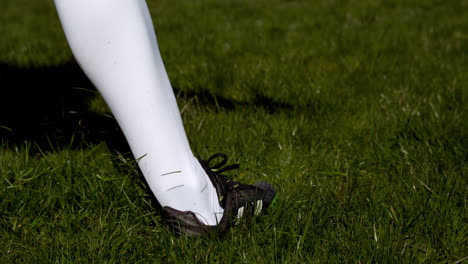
{"points": [[115, 44]]}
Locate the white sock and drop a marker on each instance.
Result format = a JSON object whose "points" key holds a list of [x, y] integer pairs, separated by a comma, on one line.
{"points": [[115, 44]]}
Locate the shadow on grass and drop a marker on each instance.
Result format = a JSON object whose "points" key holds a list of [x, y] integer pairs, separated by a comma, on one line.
{"points": [[49, 107], [217, 102]]}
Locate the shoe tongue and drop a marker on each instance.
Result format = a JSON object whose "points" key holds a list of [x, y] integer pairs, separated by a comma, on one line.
{"points": [[227, 215]]}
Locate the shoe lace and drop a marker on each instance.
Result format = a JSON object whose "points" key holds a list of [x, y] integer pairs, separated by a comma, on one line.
{"points": [[218, 167], [215, 170]]}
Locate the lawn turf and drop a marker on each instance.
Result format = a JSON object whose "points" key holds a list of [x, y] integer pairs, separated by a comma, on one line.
{"points": [[355, 110]]}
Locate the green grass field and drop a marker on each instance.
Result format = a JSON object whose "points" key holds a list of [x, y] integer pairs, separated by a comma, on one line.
{"points": [[356, 110]]}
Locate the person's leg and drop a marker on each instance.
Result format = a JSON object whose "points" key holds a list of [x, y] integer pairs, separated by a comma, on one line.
{"points": [[115, 44]]}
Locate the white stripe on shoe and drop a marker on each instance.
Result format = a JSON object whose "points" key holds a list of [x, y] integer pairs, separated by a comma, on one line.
{"points": [[258, 207]]}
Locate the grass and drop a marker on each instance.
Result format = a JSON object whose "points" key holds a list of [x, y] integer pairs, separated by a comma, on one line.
{"points": [[355, 110]]}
